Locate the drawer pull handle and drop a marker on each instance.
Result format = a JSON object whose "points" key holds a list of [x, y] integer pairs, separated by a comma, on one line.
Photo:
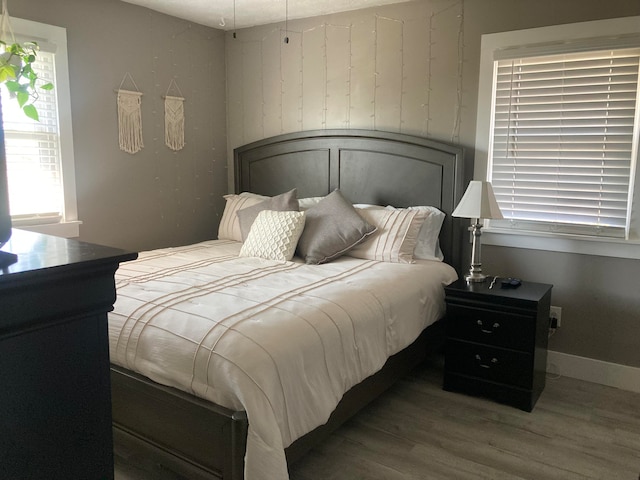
{"points": [[494, 361], [495, 326]]}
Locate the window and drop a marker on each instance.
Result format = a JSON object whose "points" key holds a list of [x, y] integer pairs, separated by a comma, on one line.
{"points": [[40, 166], [558, 135], [562, 150]]}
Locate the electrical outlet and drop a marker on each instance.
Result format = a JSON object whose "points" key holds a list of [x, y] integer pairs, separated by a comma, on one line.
{"points": [[555, 312]]}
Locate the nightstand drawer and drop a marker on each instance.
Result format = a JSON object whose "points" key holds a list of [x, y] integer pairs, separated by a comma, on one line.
{"points": [[488, 363], [502, 329]]}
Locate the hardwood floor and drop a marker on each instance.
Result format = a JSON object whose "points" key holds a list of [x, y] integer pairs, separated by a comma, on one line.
{"points": [[578, 430]]}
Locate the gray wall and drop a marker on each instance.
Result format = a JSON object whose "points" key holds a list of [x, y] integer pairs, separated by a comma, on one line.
{"points": [[398, 68], [391, 68], [156, 197]]}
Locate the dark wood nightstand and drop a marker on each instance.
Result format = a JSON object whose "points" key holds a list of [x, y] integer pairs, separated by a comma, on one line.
{"points": [[496, 342]]}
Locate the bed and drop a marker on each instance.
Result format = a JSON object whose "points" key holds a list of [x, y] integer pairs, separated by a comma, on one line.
{"points": [[203, 433]]}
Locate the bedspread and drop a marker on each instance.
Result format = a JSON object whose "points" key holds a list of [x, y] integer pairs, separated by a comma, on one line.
{"points": [[281, 340]]}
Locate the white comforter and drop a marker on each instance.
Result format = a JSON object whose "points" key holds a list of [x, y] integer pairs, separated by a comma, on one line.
{"points": [[281, 340]]}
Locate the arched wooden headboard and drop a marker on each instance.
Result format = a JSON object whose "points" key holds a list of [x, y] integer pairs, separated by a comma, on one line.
{"points": [[373, 167]]}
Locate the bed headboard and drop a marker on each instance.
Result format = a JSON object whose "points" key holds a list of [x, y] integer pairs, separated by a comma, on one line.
{"points": [[372, 167]]}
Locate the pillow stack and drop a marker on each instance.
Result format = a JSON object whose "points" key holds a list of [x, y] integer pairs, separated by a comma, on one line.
{"points": [[321, 229]]}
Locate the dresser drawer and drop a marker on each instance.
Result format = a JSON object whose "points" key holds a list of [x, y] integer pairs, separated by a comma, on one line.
{"points": [[493, 327], [488, 363]]}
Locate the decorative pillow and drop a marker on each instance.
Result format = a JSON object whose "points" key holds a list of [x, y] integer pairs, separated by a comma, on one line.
{"points": [[396, 235], [274, 235], [281, 203], [229, 228], [332, 227]]}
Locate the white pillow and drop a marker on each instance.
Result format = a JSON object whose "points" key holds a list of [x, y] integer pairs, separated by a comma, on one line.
{"points": [[229, 228], [274, 235], [428, 245], [396, 235], [308, 202], [254, 195]]}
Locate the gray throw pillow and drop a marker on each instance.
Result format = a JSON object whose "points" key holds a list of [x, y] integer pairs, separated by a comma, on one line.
{"points": [[331, 228], [280, 203]]}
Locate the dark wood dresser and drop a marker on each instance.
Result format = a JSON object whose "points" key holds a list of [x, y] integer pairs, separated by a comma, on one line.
{"points": [[496, 344], [55, 396]]}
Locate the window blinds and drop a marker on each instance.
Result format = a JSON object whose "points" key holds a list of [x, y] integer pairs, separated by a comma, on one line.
{"points": [[33, 152], [563, 145]]}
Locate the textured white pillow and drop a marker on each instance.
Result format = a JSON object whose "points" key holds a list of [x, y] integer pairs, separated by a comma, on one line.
{"points": [[395, 237], [274, 235], [229, 228]]}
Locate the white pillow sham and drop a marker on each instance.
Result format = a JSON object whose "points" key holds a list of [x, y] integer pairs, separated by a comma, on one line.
{"points": [[428, 243], [229, 228], [308, 202], [395, 237]]}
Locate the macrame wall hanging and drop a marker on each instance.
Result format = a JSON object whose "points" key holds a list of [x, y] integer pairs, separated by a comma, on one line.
{"points": [[130, 118], [174, 119], [6, 32]]}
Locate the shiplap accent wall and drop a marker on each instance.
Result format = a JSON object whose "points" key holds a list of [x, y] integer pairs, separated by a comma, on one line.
{"points": [[390, 68]]}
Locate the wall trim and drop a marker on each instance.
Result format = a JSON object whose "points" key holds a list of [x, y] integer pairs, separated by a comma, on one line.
{"points": [[596, 371], [62, 229]]}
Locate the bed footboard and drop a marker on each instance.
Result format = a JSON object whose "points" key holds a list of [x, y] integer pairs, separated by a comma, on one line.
{"points": [[204, 441], [182, 432]]}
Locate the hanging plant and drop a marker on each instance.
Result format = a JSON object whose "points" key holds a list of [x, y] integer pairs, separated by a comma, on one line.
{"points": [[19, 77]]}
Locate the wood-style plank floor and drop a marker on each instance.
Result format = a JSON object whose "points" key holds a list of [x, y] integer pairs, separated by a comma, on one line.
{"points": [[578, 430]]}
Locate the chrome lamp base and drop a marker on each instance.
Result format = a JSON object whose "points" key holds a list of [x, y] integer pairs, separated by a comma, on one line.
{"points": [[475, 277], [475, 272]]}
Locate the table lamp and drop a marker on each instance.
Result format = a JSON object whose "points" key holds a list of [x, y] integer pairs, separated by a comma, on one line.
{"points": [[478, 202]]}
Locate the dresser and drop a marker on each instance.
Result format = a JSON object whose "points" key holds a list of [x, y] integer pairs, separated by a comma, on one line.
{"points": [[55, 397], [496, 341]]}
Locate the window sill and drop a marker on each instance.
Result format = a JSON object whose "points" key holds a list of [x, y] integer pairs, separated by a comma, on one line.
{"points": [[605, 247], [61, 229]]}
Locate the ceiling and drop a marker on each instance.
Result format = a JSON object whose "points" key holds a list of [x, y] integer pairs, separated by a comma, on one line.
{"points": [[248, 13]]}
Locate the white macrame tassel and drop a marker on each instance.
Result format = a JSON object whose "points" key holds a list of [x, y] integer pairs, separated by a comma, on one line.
{"points": [[130, 121], [6, 32], [174, 122]]}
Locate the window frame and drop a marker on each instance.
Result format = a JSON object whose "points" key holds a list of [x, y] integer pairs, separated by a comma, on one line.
{"points": [[595, 35], [44, 34]]}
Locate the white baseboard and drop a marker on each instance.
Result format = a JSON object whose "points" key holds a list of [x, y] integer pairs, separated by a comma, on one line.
{"points": [[596, 371]]}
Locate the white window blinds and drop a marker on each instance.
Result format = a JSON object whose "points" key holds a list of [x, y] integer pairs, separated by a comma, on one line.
{"points": [[33, 152], [564, 141]]}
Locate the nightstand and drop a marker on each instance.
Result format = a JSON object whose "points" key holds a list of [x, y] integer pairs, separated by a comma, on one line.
{"points": [[496, 343]]}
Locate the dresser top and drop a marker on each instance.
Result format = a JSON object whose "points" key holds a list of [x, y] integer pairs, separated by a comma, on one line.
{"points": [[37, 252]]}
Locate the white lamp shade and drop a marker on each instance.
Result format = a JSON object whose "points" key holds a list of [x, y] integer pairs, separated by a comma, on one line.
{"points": [[478, 202]]}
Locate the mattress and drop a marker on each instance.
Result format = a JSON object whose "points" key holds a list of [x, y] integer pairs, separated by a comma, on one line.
{"points": [[281, 340]]}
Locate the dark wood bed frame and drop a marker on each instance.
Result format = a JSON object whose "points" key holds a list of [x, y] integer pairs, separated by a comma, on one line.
{"points": [[206, 441]]}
